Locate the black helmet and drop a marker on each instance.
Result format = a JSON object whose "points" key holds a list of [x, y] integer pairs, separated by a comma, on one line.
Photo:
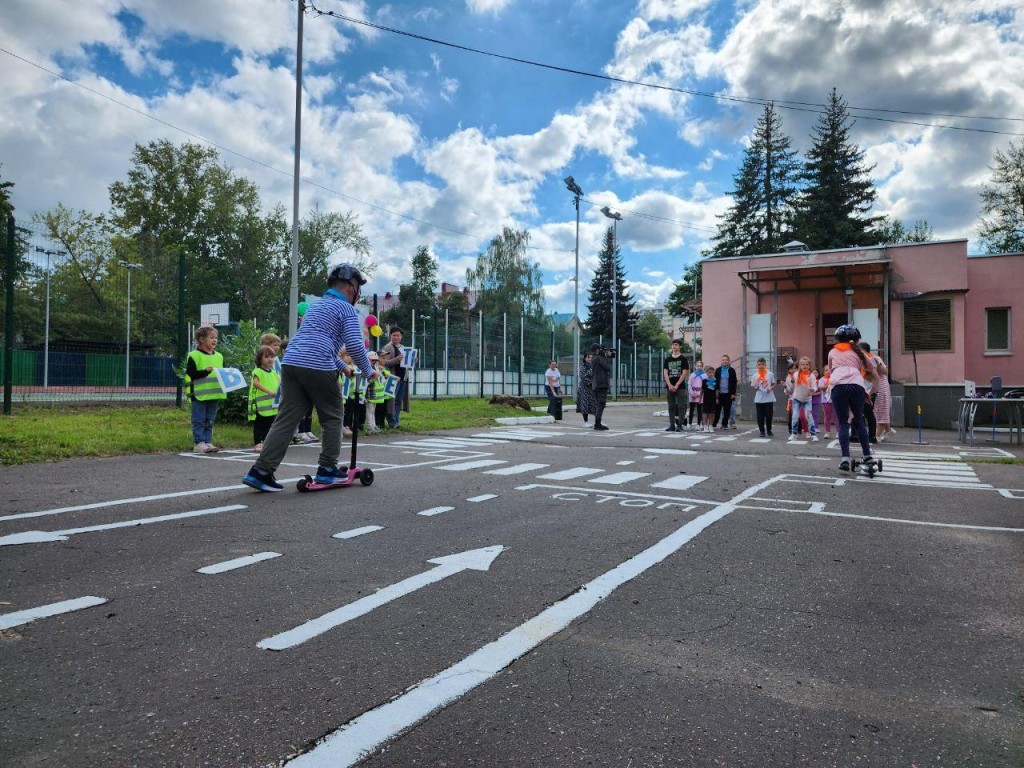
{"points": [[847, 333], [346, 273]]}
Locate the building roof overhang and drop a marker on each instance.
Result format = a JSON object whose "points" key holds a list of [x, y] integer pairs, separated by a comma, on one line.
{"points": [[818, 274]]}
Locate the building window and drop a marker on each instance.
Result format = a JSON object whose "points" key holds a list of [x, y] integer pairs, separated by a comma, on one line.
{"points": [[928, 325], [997, 329]]}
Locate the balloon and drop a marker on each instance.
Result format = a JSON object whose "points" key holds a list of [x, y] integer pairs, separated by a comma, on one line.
{"points": [[371, 320], [303, 306], [376, 331], [367, 343]]}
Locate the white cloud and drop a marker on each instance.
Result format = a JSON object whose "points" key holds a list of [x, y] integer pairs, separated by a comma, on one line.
{"points": [[487, 6]]}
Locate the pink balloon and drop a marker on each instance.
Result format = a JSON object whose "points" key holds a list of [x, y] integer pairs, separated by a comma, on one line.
{"points": [[371, 320], [367, 343]]}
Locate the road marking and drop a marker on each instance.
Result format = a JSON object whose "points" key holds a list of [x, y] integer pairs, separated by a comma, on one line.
{"points": [[37, 537], [238, 562], [679, 482], [671, 451], [359, 737], [435, 511], [618, 478], [624, 463], [16, 619], [570, 474], [482, 497], [617, 492], [358, 531], [474, 559], [467, 465], [516, 469], [908, 522]]}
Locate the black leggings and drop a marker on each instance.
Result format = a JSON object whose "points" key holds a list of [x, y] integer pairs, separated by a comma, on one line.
{"points": [[695, 408]]}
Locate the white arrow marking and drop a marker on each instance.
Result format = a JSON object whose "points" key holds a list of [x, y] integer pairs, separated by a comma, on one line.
{"points": [[474, 559], [18, 618], [35, 537]]}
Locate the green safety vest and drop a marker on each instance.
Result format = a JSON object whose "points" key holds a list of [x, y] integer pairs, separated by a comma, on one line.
{"points": [[259, 401], [206, 388]]}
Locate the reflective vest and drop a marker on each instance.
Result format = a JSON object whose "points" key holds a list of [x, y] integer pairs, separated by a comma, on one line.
{"points": [[259, 401], [206, 388]]}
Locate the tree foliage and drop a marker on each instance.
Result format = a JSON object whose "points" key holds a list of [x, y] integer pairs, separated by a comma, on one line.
{"points": [[649, 333], [599, 295], [831, 211], [764, 190], [504, 278], [1001, 228], [892, 231], [419, 294], [687, 289]]}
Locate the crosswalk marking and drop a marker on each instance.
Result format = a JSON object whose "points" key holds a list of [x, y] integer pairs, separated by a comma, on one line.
{"points": [[16, 619], [358, 532], [466, 465], [618, 478], [930, 474], [679, 482], [482, 497], [570, 474], [516, 469], [238, 562], [435, 511]]}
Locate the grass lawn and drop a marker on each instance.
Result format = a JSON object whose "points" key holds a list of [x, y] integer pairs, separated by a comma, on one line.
{"points": [[36, 434]]}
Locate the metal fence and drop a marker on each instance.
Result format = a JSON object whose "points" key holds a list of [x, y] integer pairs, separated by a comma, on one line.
{"points": [[102, 327]]}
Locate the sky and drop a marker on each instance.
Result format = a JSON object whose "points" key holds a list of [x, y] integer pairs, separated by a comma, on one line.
{"points": [[431, 144]]}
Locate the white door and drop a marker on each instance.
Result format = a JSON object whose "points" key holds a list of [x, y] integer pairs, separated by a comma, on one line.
{"points": [[868, 324], [759, 342]]}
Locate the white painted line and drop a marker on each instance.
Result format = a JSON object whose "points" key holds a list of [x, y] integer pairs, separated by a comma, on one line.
{"points": [[359, 737], [671, 451], [358, 531], [482, 497], [467, 465], [679, 482], [16, 619], [618, 478], [910, 522], [516, 469], [925, 483], [725, 439], [1011, 493], [238, 562], [475, 559], [435, 511], [624, 463], [760, 439], [570, 474], [34, 537]]}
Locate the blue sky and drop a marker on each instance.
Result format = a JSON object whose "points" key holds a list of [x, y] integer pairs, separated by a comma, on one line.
{"points": [[471, 143]]}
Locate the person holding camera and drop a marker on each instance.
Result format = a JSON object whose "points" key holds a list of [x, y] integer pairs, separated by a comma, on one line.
{"points": [[602, 377]]}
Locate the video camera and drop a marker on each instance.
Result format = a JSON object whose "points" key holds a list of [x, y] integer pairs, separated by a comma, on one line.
{"points": [[603, 352]]}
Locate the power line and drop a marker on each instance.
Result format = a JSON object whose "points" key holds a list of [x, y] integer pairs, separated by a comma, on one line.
{"points": [[797, 106], [260, 163]]}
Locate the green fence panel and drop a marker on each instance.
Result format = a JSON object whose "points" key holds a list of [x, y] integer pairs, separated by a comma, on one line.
{"points": [[24, 368], [104, 370]]}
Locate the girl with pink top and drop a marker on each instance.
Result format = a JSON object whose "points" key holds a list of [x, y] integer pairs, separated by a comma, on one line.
{"points": [[801, 385], [696, 393], [849, 368], [828, 414]]}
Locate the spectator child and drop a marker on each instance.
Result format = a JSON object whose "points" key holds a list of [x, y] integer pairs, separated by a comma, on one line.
{"points": [[263, 395], [801, 386], [763, 383], [696, 395], [828, 413], [710, 398], [203, 388]]}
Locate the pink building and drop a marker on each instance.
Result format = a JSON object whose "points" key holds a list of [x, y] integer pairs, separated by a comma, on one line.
{"points": [[937, 316]]}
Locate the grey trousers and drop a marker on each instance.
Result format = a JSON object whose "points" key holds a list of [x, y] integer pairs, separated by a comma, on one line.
{"points": [[302, 389]]}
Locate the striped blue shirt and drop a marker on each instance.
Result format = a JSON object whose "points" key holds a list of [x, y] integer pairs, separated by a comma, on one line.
{"points": [[326, 326]]}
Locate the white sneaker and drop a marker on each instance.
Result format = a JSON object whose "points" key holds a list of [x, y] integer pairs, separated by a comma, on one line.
{"points": [[814, 438], [792, 438], [199, 448], [346, 432], [308, 437], [211, 448], [711, 429]]}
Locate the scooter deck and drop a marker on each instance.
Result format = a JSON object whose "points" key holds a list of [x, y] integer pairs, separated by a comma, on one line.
{"points": [[363, 474], [870, 469]]}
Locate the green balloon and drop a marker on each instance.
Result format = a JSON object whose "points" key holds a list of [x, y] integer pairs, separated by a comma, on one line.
{"points": [[303, 306]]}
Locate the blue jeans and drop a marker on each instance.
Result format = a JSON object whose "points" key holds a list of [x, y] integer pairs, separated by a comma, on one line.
{"points": [[847, 398], [203, 414], [794, 424], [395, 414]]}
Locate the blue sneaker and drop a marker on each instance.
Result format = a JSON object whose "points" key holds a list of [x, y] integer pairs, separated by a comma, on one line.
{"points": [[330, 475], [262, 481]]}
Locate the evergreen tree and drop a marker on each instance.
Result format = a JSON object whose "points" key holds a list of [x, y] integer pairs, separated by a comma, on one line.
{"points": [[419, 294], [892, 231], [686, 290], [1002, 201], [763, 194], [599, 306], [838, 193]]}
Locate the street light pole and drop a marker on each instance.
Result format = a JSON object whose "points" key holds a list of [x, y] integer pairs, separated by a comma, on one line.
{"points": [[615, 216], [46, 331], [577, 193], [128, 317]]}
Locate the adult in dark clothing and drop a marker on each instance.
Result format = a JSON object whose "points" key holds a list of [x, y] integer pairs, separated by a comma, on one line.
{"points": [[676, 373], [602, 377], [586, 404], [726, 379]]}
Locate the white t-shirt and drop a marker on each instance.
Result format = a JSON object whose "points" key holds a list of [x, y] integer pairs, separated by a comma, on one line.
{"points": [[553, 378]]}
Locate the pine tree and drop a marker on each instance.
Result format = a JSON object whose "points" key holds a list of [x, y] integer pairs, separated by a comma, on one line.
{"points": [[764, 190], [838, 192], [419, 294], [599, 295], [1003, 201]]}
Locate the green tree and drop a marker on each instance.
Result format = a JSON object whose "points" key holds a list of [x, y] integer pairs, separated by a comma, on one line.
{"points": [[831, 211], [419, 294], [649, 332], [326, 239], [892, 231], [599, 295], [1001, 228], [21, 264], [505, 280], [764, 191], [687, 289]]}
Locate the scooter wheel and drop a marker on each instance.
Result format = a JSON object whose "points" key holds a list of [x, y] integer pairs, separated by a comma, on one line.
{"points": [[366, 476], [301, 485], [878, 466]]}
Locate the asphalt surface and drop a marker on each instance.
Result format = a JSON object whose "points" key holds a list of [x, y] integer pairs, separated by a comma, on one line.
{"points": [[642, 599]]}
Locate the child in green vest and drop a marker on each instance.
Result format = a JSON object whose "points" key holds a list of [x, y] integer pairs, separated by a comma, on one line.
{"points": [[203, 388], [263, 395]]}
